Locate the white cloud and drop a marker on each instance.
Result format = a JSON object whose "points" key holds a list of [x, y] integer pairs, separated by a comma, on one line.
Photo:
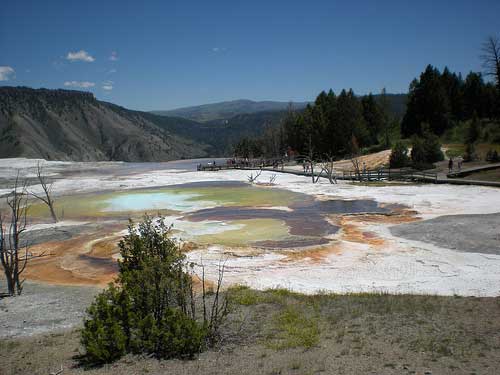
{"points": [[107, 85], [219, 49], [7, 73], [114, 56], [111, 71], [79, 56], [79, 84]]}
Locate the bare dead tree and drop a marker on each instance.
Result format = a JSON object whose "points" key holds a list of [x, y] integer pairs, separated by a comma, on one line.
{"points": [[329, 170], [47, 192], [310, 159], [213, 316], [356, 166], [13, 254], [354, 157], [253, 178], [219, 305], [309, 162], [272, 178], [491, 58]]}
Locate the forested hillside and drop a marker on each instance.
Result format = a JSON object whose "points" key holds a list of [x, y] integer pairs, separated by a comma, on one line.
{"points": [[439, 105]]}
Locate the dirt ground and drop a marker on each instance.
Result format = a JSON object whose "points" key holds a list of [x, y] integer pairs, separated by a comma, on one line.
{"points": [[372, 161], [279, 332]]}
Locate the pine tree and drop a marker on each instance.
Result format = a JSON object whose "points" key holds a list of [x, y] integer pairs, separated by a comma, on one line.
{"points": [[471, 138], [387, 119], [373, 117], [428, 102], [399, 156]]}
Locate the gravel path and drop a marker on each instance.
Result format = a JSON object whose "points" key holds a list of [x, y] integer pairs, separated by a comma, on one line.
{"points": [[467, 233], [43, 308]]}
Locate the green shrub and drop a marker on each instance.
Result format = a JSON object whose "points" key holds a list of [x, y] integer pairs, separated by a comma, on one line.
{"points": [[243, 295], [471, 138], [295, 328], [418, 156], [399, 156], [492, 156], [175, 335], [470, 152], [426, 150], [432, 147], [151, 309], [103, 335]]}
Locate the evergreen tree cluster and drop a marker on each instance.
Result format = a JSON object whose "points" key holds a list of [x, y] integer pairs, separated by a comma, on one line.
{"points": [[334, 123], [443, 99], [341, 125], [271, 144]]}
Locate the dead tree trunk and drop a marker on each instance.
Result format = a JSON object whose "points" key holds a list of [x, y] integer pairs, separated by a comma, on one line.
{"points": [[491, 58], [253, 179], [328, 168], [310, 160], [47, 192], [357, 169], [11, 250]]}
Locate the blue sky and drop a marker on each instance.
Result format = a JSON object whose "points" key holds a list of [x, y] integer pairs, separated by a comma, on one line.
{"points": [[165, 54]]}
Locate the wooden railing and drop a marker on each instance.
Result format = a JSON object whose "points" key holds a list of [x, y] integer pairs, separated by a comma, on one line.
{"points": [[241, 164], [366, 175], [389, 175]]}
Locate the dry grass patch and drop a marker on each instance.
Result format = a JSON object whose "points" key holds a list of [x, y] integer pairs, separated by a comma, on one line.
{"points": [[283, 332]]}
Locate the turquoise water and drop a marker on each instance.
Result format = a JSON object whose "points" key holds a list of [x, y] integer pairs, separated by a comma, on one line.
{"points": [[154, 201]]}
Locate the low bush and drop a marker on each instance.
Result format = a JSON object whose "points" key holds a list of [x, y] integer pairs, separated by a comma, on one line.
{"points": [[151, 308], [399, 156], [492, 156], [295, 327], [426, 150], [103, 335]]}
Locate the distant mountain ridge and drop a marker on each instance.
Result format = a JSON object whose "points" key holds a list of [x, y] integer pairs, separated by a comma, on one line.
{"points": [[208, 113], [228, 109], [74, 125], [221, 135]]}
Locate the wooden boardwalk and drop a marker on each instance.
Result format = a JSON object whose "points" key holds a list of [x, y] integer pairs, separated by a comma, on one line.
{"points": [[368, 175], [468, 171]]}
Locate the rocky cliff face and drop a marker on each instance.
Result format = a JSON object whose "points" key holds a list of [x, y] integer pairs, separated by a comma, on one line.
{"points": [[73, 125]]}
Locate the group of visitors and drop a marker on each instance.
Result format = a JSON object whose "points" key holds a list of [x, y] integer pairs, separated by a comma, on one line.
{"points": [[459, 161], [306, 166]]}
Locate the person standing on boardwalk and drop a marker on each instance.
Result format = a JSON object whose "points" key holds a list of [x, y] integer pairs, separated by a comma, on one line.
{"points": [[450, 165]]}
